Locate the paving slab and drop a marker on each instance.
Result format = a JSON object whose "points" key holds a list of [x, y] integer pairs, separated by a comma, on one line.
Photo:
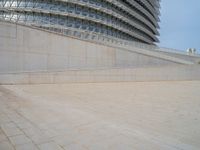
{"points": [[6, 145], [28, 146], [10, 129], [19, 140], [3, 137], [50, 146]]}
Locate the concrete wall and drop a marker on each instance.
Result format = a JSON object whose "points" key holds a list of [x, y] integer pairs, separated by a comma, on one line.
{"points": [[175, 73], [24, 49]]}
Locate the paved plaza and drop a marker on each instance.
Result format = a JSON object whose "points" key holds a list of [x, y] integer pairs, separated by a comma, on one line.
{"points": [[101, 116]]}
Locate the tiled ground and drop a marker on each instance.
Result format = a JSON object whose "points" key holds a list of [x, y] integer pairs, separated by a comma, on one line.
{"points": [[101, 116]]}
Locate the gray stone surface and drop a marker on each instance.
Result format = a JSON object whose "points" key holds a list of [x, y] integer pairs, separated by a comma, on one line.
{"points": [[101, 116]]}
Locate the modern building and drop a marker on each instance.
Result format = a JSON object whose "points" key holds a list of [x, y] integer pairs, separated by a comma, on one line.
{"points": [[60, 41], [132, 20]]}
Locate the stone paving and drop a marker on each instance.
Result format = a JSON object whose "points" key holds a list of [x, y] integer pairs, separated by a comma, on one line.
{"points": [[101, 116]]}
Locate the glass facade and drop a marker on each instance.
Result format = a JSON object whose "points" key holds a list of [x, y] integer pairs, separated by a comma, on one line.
{"points": [[132, 20]]}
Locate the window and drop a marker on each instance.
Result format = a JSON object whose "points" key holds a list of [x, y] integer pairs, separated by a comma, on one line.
{"points": [[78, 10], [85, 12]]}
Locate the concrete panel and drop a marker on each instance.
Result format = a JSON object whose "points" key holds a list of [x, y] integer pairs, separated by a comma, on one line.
{"points": [[91, 50], [8, 31], [10, 62], [77, 48], [34, 62], [35, 41], [57, 61]]}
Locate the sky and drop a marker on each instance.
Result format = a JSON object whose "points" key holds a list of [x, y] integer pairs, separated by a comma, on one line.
{"points": [[180, 24]]}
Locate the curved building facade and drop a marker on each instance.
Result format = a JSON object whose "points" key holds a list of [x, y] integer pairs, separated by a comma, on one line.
{"points": [[132, 20]]}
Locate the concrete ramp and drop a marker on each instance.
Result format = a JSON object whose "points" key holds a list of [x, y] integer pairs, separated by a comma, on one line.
{"points": [[175, 73]]}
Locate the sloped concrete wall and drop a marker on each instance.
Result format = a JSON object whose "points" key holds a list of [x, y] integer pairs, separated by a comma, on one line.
{"points": [[24, 49], [189, 57]]}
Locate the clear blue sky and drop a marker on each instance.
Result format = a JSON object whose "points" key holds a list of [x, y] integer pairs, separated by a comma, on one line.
{"points": [[180, 24]]}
